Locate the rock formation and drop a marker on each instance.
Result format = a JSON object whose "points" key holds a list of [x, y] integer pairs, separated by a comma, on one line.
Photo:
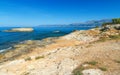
{"points": [[20, 30], [90, 52]]}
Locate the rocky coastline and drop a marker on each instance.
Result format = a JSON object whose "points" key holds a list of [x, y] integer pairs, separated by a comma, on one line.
{"points": [[83, 52]]}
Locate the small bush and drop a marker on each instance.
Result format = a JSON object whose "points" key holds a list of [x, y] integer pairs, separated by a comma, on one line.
{"points": [[102, 39], [92, 63], [25, 73], [115, 36], [103, 68], [78, 73], [117, 61], [28, 59], [39, 57], [116, 21], [88, 46]]}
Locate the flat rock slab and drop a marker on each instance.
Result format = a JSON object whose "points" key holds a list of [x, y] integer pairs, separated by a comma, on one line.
{"points": [[92, 72]]}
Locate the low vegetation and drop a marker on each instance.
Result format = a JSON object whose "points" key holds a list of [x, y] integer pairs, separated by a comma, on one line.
{"points": [[103, 68], [92, 63], [117, 61], [110, 37], [114, 36], [88, 46], [78, 71], [39, 57], [102, 39], [25, 73], [114, 21], [28, 59]]}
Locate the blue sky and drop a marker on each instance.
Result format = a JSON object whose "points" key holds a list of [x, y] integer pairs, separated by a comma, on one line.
{"points": [[41, 12]]}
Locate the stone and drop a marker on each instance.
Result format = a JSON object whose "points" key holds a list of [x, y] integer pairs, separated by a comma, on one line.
{"points": [[92, 72]]}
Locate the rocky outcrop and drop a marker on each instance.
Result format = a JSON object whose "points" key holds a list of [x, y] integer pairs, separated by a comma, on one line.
{"points": [[108, 27], [19, 30], [92, 72], [83, 36], [78, 53]]}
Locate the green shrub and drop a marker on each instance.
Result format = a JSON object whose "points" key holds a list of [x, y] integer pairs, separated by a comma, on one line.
{"points": [[117, 61], [39, 57], [92, 63], [28, 59], [102, 39], [78, 73], [103, 68], [116, 21], [114, 36], [25, 73]]}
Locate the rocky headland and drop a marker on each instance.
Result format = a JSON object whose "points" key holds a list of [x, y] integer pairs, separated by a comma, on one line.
{"points": [[82, 52]]}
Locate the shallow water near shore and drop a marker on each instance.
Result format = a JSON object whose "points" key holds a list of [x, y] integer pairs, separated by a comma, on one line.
{"points": [[8, 39]]}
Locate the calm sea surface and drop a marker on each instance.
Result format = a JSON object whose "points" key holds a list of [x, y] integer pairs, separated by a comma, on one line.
{"points": [[8, 39]]}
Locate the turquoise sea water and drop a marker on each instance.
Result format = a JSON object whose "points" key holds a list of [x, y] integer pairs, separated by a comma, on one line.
{"points": [[8, 39]]}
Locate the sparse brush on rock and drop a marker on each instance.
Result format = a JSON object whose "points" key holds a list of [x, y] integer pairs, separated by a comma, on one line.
{"points": [[103, 68], [25, 73], [88, 46], [78, 71], [115, 36], [102, 39], [92, 63], [28, 59], [117, 61], [39, 57]]}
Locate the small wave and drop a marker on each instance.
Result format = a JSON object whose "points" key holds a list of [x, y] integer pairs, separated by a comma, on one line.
{"points": [[2, 50], [56, 31]]}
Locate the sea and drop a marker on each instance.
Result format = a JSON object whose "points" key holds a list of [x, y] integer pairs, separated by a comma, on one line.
{"points": [[9, 39]]}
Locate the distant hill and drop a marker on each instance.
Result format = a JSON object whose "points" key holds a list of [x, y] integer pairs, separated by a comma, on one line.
{"points": [[92, 23]]}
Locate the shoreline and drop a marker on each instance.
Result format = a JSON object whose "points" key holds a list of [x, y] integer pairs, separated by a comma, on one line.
{"points": [[66, 54], [23, 48], [25, 45]]}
